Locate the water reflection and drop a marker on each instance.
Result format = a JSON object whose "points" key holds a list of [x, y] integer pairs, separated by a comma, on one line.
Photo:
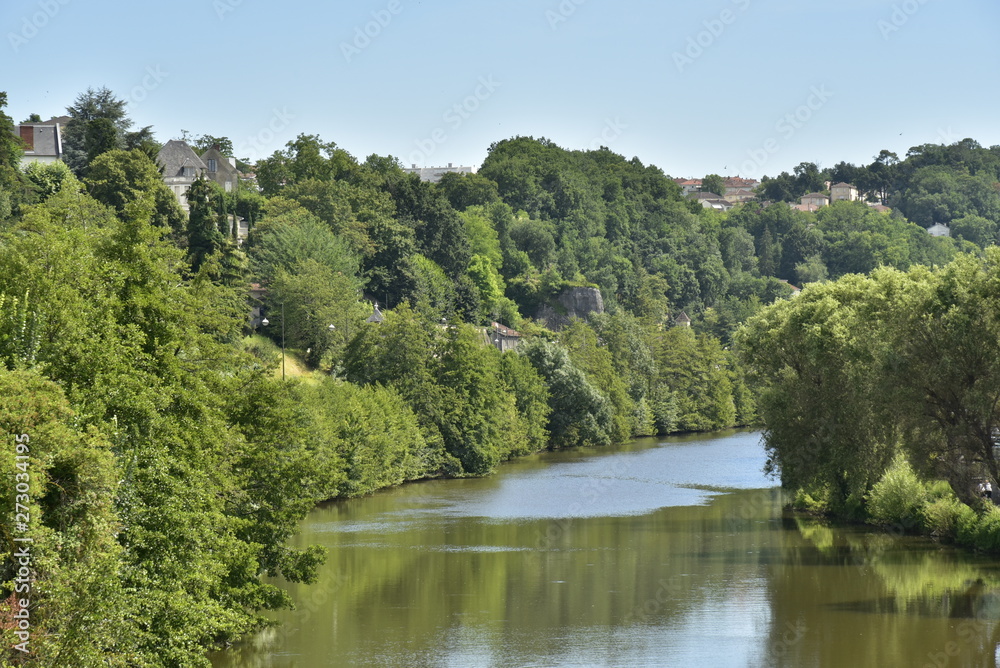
{"points": [[627, 558]]}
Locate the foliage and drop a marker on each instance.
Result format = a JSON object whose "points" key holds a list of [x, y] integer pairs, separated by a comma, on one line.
{"points": [[149, 488], [898, 495], [98, 123], [854, 371], [311, 297], [120, 178], [367, 435], [46, 178], [456, 386], [580, 414]]}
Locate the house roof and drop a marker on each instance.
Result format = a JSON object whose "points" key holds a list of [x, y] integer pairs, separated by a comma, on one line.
{"points": [[376, 315], [175, 156], [504, 331], [843, 185], [814, 195], [704, 196]]}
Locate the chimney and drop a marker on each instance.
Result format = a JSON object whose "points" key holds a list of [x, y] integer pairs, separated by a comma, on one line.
{"points": [[449, 165]]}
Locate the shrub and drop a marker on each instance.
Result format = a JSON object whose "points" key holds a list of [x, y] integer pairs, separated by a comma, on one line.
{"points": [[897, 497], [940, 517]]}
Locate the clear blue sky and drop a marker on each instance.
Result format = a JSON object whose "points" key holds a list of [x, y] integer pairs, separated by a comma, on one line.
{"points": [[727, 86]]}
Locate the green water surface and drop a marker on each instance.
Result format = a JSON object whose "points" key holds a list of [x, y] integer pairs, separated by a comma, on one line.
{"points": [[668, 552]]}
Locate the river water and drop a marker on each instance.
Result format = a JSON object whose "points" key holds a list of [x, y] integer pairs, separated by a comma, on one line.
{"points": [[665, 552]]}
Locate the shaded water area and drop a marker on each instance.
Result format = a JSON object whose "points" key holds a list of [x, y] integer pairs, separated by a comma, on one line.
{"points": [[670, 552]]}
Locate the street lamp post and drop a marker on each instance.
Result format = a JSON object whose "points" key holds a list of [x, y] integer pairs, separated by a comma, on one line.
{"points": [[266, 323]]}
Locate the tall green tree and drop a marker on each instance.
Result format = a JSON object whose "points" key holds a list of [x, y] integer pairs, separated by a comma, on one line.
{"points": [[713, 183], [98, 122], [204, 235], [580, 414], [120, 178]]}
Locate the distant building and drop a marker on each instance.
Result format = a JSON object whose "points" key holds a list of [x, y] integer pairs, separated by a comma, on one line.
{"points": [[843, 192], [503, 338], [737, 189], [221, 168], [181, 167], [683, 320], [376, 315], [434, 174], [42, 141], [739, 196], [795, 289], [939, 230], [734, 184], [255, 296], [711, 201], [688, 186], [814, 200], [808, 208]]}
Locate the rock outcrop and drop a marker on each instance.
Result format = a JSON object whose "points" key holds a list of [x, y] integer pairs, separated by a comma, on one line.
{"points": [[571, 303]]}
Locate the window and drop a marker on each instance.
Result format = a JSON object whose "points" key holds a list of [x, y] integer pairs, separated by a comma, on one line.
{"points": [[213, 166]]}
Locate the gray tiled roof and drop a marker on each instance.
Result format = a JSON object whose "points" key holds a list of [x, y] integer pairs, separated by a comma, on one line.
{"points": [[175, 156]]}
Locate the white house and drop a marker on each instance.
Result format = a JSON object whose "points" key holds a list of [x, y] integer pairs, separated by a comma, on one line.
{"points": [[42, 141], [843, 191], [181, 167], [434, 174], [814, 200]]}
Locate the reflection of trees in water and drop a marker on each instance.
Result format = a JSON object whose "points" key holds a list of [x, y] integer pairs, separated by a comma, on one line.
{"points": [[846, 596]]}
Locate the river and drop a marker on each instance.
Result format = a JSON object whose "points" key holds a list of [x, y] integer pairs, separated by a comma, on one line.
{"points": [[662, 552]]}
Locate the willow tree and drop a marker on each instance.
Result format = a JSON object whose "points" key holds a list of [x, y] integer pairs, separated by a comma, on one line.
{"points": [[945, 357], [818, 362]]}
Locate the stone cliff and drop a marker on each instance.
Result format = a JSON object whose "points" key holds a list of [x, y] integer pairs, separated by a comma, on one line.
{"points": [[571, 303]]}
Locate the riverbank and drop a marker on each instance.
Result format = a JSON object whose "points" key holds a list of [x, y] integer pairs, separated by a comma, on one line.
{"points": [[902, 503], [671, 551]]}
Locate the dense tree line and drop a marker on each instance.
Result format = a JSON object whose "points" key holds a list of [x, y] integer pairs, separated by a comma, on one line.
{"points": [[932, 184], [171, 463], [894, 367]]}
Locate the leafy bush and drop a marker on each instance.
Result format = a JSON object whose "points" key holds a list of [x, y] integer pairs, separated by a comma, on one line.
{"points": [[941, 517], [897, 497]]}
